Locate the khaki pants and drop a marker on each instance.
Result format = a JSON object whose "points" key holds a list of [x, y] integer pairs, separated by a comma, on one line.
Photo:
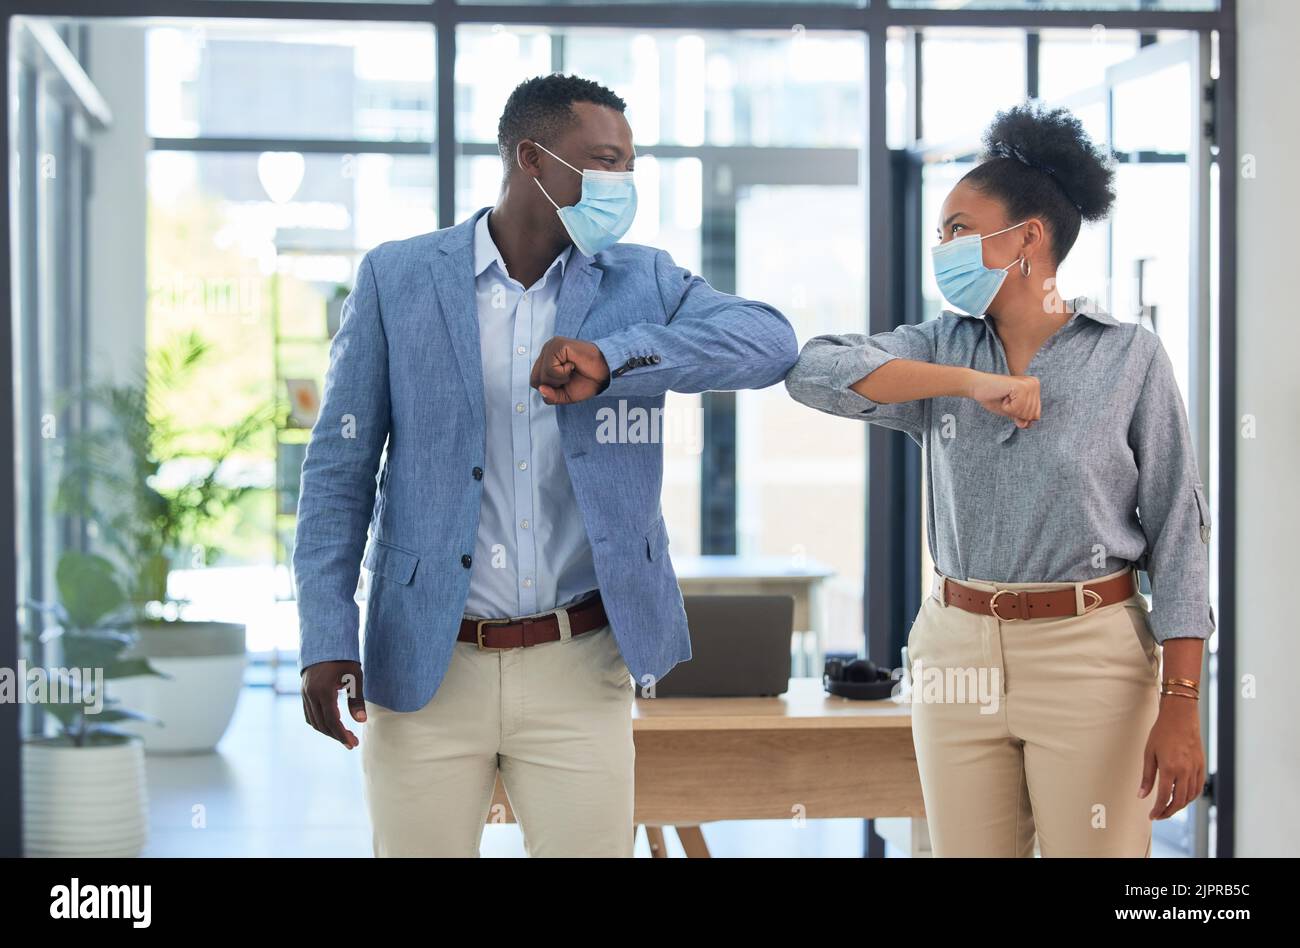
{"points": [[1034, 727], [554, 719]]}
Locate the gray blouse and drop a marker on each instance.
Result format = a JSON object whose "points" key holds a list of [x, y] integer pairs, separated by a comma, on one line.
{"points": [[1106, 478]]}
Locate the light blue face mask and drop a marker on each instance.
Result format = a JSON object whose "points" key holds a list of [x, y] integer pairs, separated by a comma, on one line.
{"points": [[963, 279], [604, 212]]}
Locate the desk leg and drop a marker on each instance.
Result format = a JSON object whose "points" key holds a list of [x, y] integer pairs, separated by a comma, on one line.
{"points": [[692, 838], [655, 836]]}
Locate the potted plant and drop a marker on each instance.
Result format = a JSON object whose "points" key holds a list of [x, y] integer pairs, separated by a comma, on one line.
{"points": [[150, 523], [84, 786]]}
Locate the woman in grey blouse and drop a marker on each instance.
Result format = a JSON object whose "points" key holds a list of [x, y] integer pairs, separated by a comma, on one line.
{"points": [[1058, 459]]}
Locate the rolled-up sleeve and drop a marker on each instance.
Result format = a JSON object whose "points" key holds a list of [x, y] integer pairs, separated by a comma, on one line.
{"points": [[828, 365], [1172, 507]]}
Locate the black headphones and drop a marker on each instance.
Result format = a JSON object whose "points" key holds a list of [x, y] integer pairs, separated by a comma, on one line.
{"points": [[857, 678]]}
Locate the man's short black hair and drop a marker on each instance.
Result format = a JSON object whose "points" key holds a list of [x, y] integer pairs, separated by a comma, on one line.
{"points": [[540, 108]]}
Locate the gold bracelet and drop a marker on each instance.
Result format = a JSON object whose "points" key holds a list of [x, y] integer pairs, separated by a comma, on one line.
{"points": [[1180, 694], [1195, 686]]}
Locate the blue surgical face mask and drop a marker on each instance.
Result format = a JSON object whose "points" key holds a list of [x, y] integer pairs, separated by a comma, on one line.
{"points": [[605, 211], [963, 279]]}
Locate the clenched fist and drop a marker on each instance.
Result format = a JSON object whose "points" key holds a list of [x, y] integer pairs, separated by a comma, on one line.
{"points": [[569, 370], [1012, 396]]}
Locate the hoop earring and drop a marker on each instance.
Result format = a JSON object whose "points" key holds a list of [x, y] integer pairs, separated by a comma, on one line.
{"points": [[1025, 266]]}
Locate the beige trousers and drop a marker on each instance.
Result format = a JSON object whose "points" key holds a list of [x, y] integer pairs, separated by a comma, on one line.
{"points": [[1036, 726], [554, 719]]}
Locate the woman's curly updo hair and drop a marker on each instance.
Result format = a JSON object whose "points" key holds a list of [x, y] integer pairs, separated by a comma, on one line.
{"points": [[1040, 163]]}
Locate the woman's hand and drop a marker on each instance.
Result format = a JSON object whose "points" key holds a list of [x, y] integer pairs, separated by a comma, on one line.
{"points": [[1012, 396], [1174, 749]]}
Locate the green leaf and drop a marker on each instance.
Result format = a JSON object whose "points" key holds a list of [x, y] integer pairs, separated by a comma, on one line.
{"points": [[93, 650], [87, 587]]}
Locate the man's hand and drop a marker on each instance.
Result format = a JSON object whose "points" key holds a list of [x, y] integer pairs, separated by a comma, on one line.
{"points": [[321, 684], [1012, 396], [568, 371]]}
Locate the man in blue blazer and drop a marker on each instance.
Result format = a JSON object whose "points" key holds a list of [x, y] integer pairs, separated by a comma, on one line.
{"points": [[516, 547]]}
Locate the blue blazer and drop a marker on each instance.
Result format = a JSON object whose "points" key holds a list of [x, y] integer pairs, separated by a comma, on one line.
{"points": [[403, 400]]}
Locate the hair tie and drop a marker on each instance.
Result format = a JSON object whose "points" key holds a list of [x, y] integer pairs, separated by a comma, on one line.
{"points": [[1000, 149]]}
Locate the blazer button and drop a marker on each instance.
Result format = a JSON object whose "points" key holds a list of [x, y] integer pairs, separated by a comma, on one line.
{"points": [[466, 561], [478, 473]]}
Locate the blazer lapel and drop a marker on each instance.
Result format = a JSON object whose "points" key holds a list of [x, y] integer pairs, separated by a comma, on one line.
{"points": [[576, 293], [453, 277]]}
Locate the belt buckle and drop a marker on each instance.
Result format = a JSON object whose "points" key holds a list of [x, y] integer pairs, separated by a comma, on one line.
{"points": [[478, 630], [993, 606]]}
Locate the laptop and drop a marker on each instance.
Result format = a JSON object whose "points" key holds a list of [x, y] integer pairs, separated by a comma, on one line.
{"points": [[740, 648]]}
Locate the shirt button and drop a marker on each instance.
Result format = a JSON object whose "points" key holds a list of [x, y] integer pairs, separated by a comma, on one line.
{"points": [[524, 524], [478, 473], [466, 561], [519, 407], [528, 582], [523, 465], [521, 349]]}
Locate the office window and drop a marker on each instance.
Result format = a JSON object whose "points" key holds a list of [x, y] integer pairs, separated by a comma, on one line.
{"points": [[1072, 60], [968, 75], [47, 148], [238, 79], [267, 155], [253, 249]]}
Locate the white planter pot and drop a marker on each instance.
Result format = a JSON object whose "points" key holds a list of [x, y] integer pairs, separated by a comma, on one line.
{"points": [[205, 664], [84, 801]]}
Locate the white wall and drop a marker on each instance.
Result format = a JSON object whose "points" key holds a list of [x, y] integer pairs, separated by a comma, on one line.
{"points": [[1268, 387]]}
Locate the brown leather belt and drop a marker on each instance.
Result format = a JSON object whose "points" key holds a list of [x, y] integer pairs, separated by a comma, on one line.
{"points": [[520, 633], [1008, 604]]}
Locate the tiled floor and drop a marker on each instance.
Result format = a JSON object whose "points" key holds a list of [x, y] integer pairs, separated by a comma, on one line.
{"points": [[277, 788]]}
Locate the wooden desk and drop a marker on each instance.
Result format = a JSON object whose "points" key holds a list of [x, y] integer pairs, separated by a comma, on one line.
{"points": [[803, 755], [768, 575]]}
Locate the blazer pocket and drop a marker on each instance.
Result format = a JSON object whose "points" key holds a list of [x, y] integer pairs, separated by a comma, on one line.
{"points": [[390, 562], [656, 541]]}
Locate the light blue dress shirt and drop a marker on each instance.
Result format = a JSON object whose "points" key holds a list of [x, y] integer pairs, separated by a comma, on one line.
{"points": [[531, 554]]}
